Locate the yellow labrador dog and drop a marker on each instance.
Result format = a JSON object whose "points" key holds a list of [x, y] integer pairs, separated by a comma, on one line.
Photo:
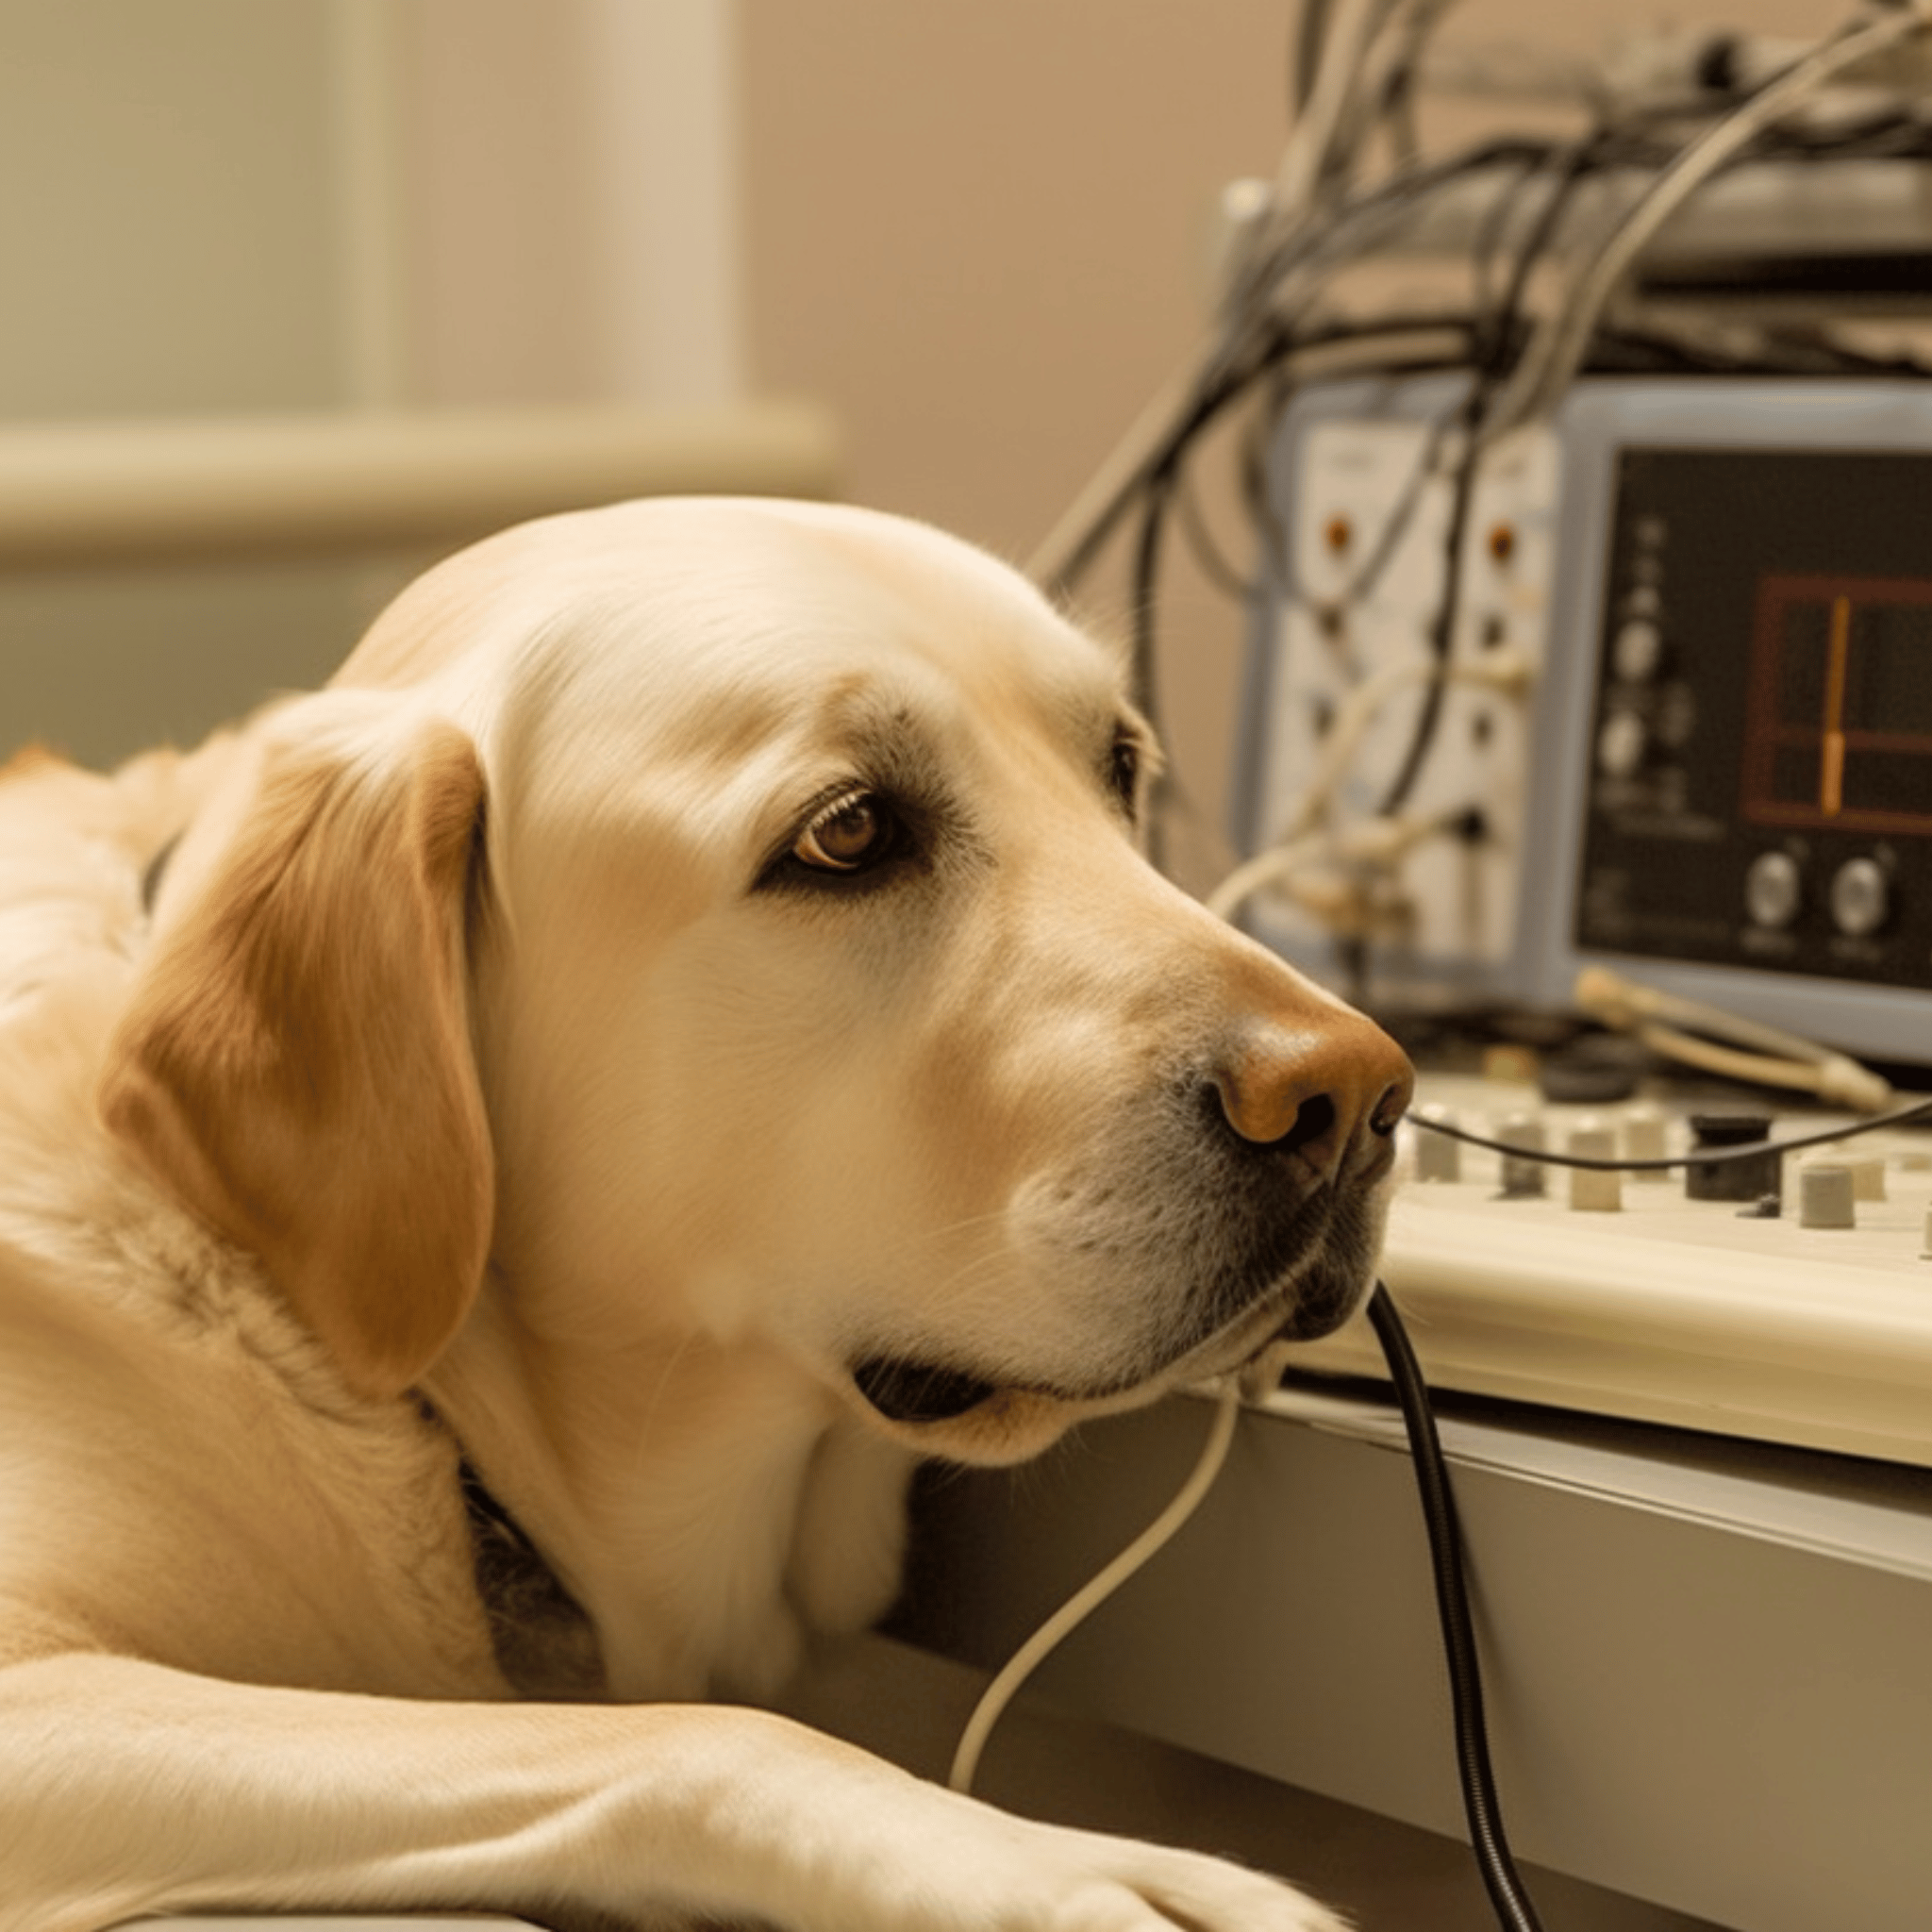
{"points": [[506, 1161]]}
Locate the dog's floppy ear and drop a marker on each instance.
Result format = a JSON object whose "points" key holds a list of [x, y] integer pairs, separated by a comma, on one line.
{"points": [[296, 1065]]}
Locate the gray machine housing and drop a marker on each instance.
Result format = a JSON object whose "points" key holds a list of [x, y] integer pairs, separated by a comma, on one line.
{"points": [[1610, 787]]}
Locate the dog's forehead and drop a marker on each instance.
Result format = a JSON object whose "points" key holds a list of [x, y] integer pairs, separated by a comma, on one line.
{"points": [[672, 600], [807, 596], [711, 662], [711, 626]]}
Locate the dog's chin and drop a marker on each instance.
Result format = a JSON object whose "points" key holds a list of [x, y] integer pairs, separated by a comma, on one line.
{"points": [[1307, 1307], [962, 1413]]}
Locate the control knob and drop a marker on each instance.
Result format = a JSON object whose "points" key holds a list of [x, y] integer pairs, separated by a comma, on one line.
{"points": [[1774, 890], [1738, 1179], [1861, 897]]}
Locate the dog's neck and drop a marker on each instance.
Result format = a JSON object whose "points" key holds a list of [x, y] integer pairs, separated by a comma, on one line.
{"points": [[707, 1506], [544, 1643]]}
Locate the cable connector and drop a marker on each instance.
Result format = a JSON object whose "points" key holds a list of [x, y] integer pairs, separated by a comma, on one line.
{"points": [[1669, 1024]]}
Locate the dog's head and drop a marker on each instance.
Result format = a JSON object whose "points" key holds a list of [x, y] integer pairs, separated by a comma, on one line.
{"points": [[729, 921]]}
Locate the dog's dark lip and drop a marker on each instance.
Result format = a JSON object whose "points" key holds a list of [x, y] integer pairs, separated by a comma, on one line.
{"points": [[918, 1392]]}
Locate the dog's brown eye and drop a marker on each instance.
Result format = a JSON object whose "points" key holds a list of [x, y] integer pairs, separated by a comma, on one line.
{"points": [[851, 835], [1124, 771]]}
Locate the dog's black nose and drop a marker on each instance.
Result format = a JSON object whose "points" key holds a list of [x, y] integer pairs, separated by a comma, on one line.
{"points": [[1316, 1090]]}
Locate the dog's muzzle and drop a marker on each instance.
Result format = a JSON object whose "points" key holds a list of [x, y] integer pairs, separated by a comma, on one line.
{"points": [[1294, 1143]]}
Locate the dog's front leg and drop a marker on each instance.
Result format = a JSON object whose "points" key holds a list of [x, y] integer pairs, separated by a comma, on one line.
{"points": [[129, 1788]]}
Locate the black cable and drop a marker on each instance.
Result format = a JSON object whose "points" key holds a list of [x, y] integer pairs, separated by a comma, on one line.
{"points": [[1367, 575], [1215, 565], [1160, 487], [1476, 1775], [1260, 340], [1441, 637], [1143, 659], [1699, 1156], [1495, 354], [1352, 230]]}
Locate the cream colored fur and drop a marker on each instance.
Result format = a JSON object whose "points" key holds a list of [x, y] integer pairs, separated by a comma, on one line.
{"points": [[507, 1070]]}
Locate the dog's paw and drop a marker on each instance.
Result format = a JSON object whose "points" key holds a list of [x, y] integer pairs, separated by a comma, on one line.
{"points": [[1138, 1887], [1005, 1874]]}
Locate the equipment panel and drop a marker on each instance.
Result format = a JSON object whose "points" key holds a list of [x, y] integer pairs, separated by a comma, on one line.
{"points": [[1761, 787]]}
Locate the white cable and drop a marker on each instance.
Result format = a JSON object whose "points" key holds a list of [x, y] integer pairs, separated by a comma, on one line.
{"points": [[1833, 1078], [1774, 1057], [1501, 670], [1304, 162], [1120, 474], [1093, 511], [1378, 841], [1084, 1602], [1269, 867], [1395, 48], [1620, 1001], [1374, 843], [1395, 834], [1344, 737], [1557, 351]]}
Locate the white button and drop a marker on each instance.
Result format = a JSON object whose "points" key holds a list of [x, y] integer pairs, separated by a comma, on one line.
{"points": [[1824, 1195], [1620, 744], [1644, 1138], [1861, 897], [1774, 890], [1522, 1177], [1638, 651], [1598, 1191]]}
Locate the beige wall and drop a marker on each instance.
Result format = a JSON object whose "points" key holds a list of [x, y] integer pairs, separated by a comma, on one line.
{"points": [[570, 202], [150, 154], [982, 227], [976, 227], [211, 207], [170, 231]]}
